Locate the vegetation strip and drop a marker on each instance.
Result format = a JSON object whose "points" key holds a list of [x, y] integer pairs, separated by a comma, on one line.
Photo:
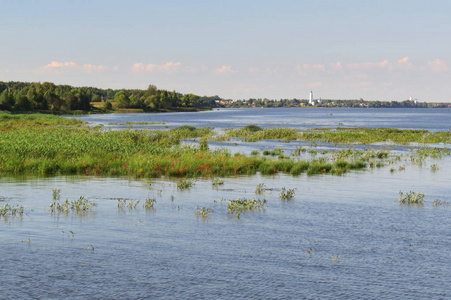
{"points": [[51, 145]]}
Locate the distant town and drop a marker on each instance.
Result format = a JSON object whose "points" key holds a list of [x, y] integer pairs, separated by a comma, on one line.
{"points": [[312, 102]]}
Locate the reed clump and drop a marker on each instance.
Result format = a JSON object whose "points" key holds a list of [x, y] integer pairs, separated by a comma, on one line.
{"points": [[240, 205], [150, 203], [411, 197], [203, 212], [11, 211], [287, 194], [185, 184], [260, 189], [79, 206]]}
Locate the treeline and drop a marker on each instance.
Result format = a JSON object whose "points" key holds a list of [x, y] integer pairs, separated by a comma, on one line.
{"points": [[46, 96], [333, 103]]}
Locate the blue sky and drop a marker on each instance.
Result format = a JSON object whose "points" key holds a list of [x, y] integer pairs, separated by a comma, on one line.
{"points": [[349, 49]]}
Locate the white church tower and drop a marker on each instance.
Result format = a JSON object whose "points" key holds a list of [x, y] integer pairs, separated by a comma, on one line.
{"points": [[310, 99]]}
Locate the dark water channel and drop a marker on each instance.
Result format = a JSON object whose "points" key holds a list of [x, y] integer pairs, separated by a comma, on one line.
{"points": [[340, 237]]}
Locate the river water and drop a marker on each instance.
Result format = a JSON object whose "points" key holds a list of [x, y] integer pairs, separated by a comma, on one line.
{"points": [[340, 237]]}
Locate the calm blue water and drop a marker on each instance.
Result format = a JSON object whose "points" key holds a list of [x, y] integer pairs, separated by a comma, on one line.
{"points": [[386, 250], [410, 118]]}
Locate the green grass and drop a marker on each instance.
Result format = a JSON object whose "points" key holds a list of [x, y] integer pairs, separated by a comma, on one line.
{"points": [[341, 135], [51, 145]]}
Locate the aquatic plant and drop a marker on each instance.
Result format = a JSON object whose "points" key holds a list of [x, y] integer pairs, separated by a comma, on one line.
{"points": [[260, 189], [336, 259], [287, 194], [133, 204], [184, 184], [253, 128], [434, 168], [239, 205], [217, 182], [411, 197], [438, 202], [80, 206], [11, 210], [150, 203], [203, 212], [56, 193]]}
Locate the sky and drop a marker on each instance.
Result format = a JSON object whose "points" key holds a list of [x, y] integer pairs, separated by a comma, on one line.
{"points": [[237, 49]]}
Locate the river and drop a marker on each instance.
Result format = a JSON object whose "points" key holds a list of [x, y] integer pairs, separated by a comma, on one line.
{"points": [[340, 237]]}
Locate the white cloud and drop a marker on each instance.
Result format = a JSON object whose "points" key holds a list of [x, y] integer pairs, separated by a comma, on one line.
{"points": [[337, 66], [167, 67], [59, 65], [315, 84], [93, 68], [224, 70], [307, 67], [437, 65], [370, 65], [405, 63]]}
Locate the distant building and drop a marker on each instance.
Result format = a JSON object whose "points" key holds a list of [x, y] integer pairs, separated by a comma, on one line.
{"points": [[320, 101], [310, 99], [225, 101]]}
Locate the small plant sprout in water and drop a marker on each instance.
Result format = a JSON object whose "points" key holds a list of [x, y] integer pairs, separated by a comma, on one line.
{"points": [[132, 204], [310, 251], [287, 194], [260, 189], [435, 168], [237, 206], [217, 182], [150, 203], [335, 259], [438, 202], [411, 198], [56, 194], [203, 212], [185, 184], [11, 211]]}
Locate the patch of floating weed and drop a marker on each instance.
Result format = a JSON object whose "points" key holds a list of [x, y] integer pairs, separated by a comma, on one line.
{"points": [[185, 184], [11, 211], [203, 212], [336, 259], [150, 203], [217, 182], [435, 168], [310, 251], [411, 198], [287, 194], [239, 205], [260, 189], [438, 202], [79, 206]]}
